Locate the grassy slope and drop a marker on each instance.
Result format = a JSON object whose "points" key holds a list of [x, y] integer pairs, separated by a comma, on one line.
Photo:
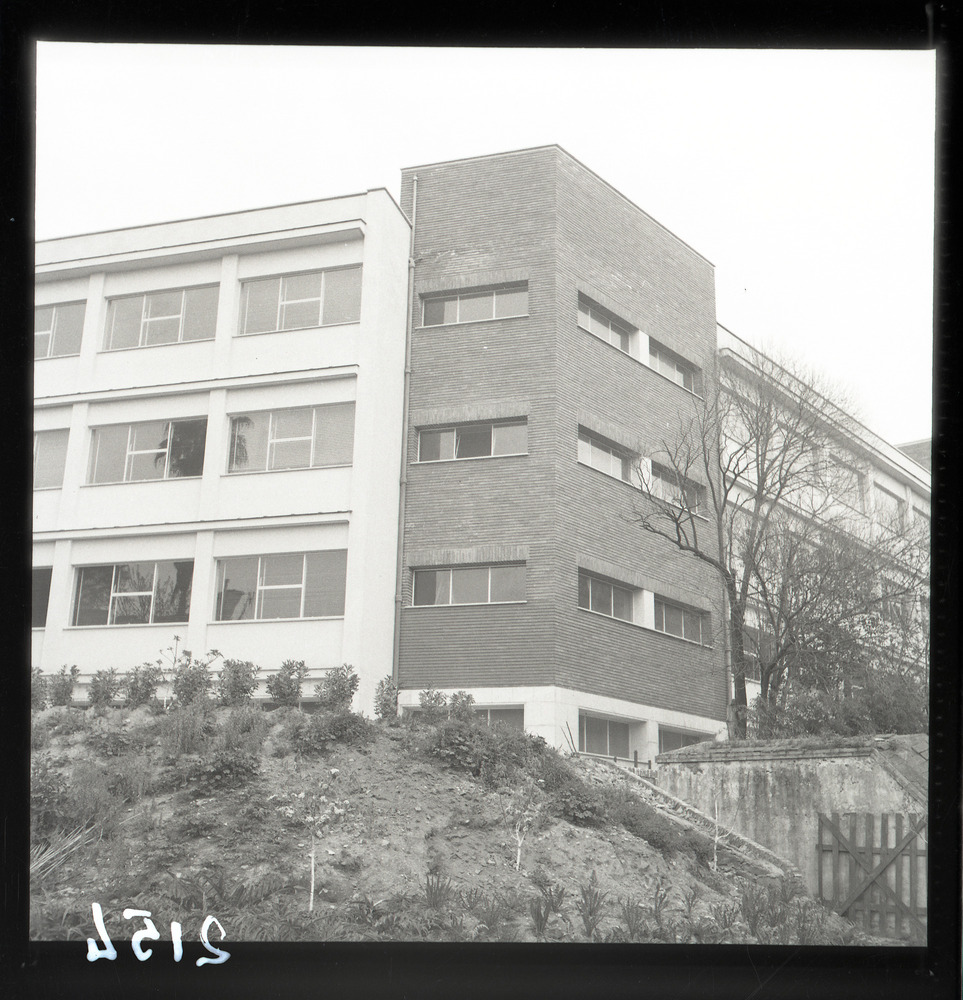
{"points": [[414, 848]]}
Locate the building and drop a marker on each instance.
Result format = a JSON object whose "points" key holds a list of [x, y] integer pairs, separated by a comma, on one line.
{"points": [[217, 403], [407, 439]]}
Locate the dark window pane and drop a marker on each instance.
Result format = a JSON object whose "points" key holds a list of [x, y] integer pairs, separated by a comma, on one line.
{"points": [[259, 308], [68, 329], [596, 736], [146, 465], [133, 610], [51, 454], [673, 620], [134, 578], [325, 583], [509, 439], [93, 595], [434, 446], [236, 587], [187, 448], [473, 442], [40, 596], [123, 323], [249, 442], [514, 718], [172, 595], [583, 591], [469, 586], [508, 583], [334, 434], [601, 597], [618, 739], [622, 603], [692, 626], [431, 586], [200, 313], [513, 302], [475, 307], [342, 295], [434, 314], [282, 603], [108, 456]]}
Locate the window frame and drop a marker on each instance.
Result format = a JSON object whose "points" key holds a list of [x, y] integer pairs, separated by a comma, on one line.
{"points": [[260, 587], [116, 594], [51, 334], [273, 439], [628, 460], [146, 319], [617, 328], [662, 357], [455, 429], [474, 293], [282, 302], [597, 581], [130, 452], [34, 570], [668, 481], [451, 570], [676, 731], [583, 718], [38, 436], [686, 610]]}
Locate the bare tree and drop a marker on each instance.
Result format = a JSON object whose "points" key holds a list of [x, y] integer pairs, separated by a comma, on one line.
{"points": [[757, 482]]}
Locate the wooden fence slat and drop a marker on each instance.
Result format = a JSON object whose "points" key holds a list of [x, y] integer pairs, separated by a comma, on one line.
{"points": [[898, 929]]}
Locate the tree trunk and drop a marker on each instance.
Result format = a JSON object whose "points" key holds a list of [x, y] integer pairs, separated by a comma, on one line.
{"points": [[737, 652]]}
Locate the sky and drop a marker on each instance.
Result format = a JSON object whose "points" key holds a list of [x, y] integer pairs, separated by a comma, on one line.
{"points": [[805, 177]]}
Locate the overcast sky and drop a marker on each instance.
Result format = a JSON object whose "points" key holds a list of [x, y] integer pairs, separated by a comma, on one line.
{"points": [[806, 177]]}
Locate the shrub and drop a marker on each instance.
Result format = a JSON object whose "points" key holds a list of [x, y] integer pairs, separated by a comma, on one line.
{"points": [[38, 690], [641, 820], [131, 778], [579, 804], [244, 729], [224, 769], [192, 678], [187, 729], [104, 686], [141, 683], [60, 687], [386, 699], [284, 687], [237, 682], [46, 795], [39, 734], [496, 754], [311, 735], [88, 801], [434, 705], [337, 688], [461, 706]]}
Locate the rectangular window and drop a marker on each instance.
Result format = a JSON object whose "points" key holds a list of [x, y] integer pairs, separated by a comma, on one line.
{"points": [[672, 366], [604, 737], [474, 305], [889, 508], [282, 585], [154, 449], [49, 459], [665, 484], [606, 325], [301, 301], [606, 456], [846, 484], [40, 596], [138, 593], [674, 619], [675, 739], [473, 441], [170, 317], [605, 597], [309, 437], [470, 585], [57, 330], [513, 718]]}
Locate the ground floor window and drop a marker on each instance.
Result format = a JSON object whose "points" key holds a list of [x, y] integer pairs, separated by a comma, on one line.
{"points": [[605, 737], [40, 596], [675, 739], [139, 593], [512, 717]]}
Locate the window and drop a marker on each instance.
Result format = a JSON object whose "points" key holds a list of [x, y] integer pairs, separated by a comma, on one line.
{"points": [[665, 484], [514, 718], [604, 737], [301, 301], [309, 437], [605, 325], [283, 585], [49, 458], [470, 585], [758, 644], [675, 739], [672, 366], [473, 441], [469, 307], [922, 516], [674, 619], [889, 508], [847, 484], [170, 317], [155, 449], [605, 597], [57, 330], [606, 456], [40, 596], [138, 593]]}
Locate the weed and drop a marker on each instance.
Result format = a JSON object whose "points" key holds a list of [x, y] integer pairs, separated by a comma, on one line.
{"points": [[386, 699], [554, 896], [109, 744], [338, 687], [131, 778], [701, 846], [38, 690], [540, 911], [88, 800], [660, 901], [438, 890], [104, 687], [141, 683], [689, 898], [434, 705], [633, 916], [187, 730], [244, 729], [590, 905], [639, 819], [60, 687], [46, 795], [39, 734], [237, 682], [461, 706], [472, 898], [48, 856], [579, 804], [493, 911], [284, 687], [225, 769]]}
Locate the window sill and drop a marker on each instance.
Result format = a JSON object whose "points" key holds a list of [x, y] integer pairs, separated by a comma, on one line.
{"points": [[82, 628], [640, 362], [150, 347], [47, 489], [646, 628], [275, 621], [471, 458], [471, 322], [674, 506], [140, 482], [473, 604], [296, 329], [272, 472], [57, 357]]}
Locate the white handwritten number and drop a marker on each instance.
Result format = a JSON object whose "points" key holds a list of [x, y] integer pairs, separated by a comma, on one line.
{"points": [[150, 931], [108, 951], [176, 941], [223, 956]]}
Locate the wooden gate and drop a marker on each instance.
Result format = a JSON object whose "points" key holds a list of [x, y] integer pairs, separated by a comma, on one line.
{"points": [[872, 870]]}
